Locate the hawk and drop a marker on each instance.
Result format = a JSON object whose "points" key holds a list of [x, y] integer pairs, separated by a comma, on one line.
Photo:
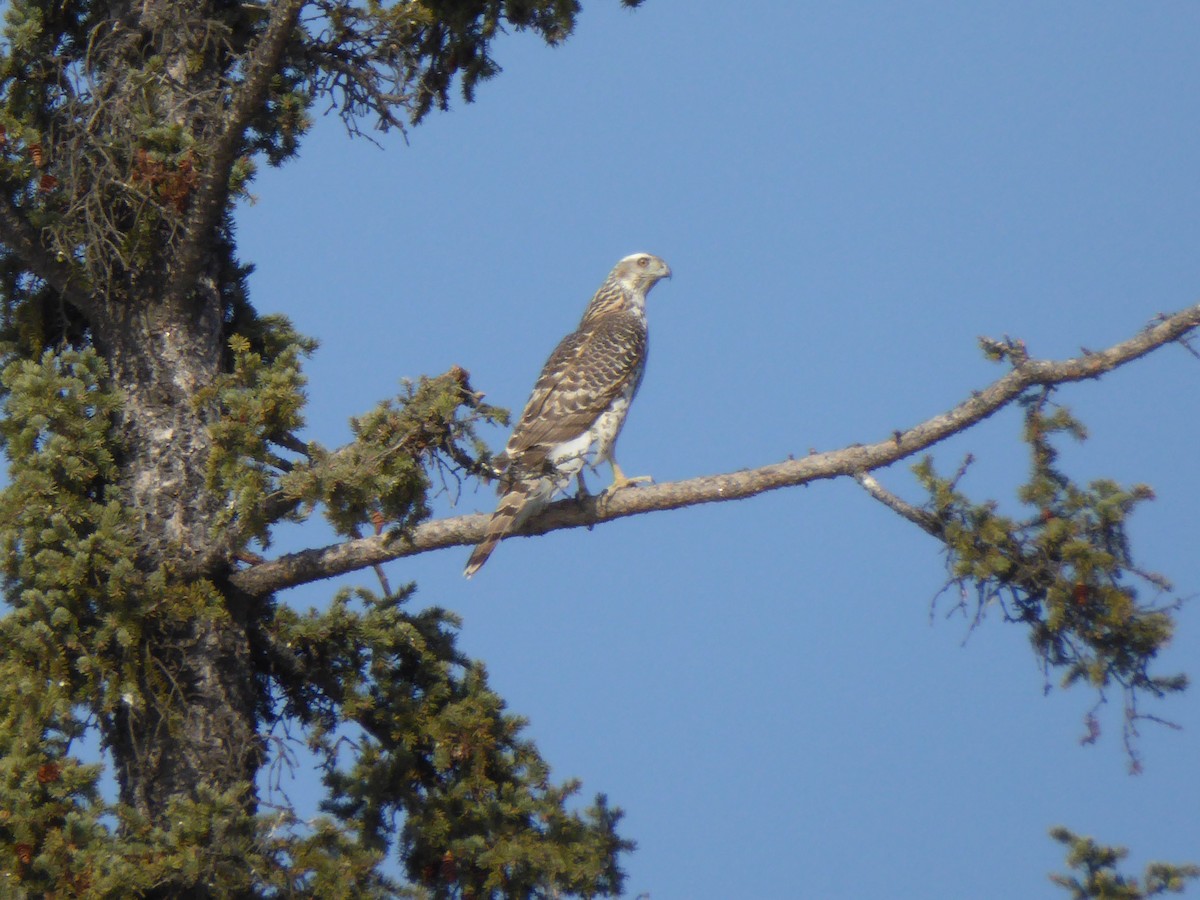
{"points": [[578, 404]]}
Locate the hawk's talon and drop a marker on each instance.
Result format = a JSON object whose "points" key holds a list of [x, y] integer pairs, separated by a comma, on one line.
{"points": [[621, 481], [619, 484]]}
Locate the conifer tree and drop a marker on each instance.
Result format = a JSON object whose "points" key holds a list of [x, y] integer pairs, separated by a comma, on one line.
{"points": [[150, 420]]}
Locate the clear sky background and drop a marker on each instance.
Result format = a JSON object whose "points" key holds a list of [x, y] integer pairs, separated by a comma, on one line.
{"points": [[849, 195]]}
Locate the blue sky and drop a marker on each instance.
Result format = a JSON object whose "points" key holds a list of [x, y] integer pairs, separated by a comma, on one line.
{"points": [[849, 195]]}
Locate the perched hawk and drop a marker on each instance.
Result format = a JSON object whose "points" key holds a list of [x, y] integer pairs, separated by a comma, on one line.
{"points": [[579, 403]]}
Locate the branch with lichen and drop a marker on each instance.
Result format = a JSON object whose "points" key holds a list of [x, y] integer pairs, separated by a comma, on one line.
{"points": [[326, 562], [1065, 571], [383, 476]]}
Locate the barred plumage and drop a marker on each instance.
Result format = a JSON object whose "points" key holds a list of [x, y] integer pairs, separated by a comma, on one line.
{"points": [[579, 402]]}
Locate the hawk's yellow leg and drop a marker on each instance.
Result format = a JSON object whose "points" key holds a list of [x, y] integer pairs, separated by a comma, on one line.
{"points": [[621, 480]]}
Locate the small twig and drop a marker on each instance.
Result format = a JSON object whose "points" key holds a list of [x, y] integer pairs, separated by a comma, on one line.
{"points": [[1186, 343], [378, 521], [291, 442]]}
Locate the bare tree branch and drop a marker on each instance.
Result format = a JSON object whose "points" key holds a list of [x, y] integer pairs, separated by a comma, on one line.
{"points": [[919, 517], [212, 193], [325, 562]]}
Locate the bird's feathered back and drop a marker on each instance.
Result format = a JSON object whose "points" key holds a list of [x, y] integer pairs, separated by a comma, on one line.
{"points": [[579, 401]]}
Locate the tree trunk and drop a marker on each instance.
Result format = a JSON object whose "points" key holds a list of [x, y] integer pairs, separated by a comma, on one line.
{"points": [[193, 724], [187, 723]]}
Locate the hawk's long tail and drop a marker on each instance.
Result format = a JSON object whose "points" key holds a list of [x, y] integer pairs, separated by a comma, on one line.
{"points": [[521, 501]]}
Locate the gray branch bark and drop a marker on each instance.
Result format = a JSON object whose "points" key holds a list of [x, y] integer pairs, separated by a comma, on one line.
{"points": [[325, 562], [923, 519]]}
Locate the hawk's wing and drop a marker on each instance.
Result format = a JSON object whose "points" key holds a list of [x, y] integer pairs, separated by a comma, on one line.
{"points": [[583, 376], [580, 381]]}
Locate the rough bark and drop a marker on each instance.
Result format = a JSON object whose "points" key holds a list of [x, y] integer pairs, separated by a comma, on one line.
{"points": [[206, 736], [196, 721], [159, 360]]}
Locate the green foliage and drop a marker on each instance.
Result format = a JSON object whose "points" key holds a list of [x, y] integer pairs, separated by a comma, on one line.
{"points": [[65, 549], [87, 639], [102, 158], [435, 750], [1065, 570], [116, 119], [32, 317], [113, 117], [1098, 877], [64, 848], [65, 557], [46, 796], [384, 475], [260, 405], [81, 637], [416, 51]]}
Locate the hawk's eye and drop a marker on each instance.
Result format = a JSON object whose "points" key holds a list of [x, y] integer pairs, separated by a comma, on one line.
{"points": [[644, 261]]}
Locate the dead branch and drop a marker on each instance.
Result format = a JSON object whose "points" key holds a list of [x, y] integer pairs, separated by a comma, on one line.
{"points": [[924, 520], [212, 195], [325, 562]]}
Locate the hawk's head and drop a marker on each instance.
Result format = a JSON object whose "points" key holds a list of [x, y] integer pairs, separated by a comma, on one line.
{"points": [[639, 272]]}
